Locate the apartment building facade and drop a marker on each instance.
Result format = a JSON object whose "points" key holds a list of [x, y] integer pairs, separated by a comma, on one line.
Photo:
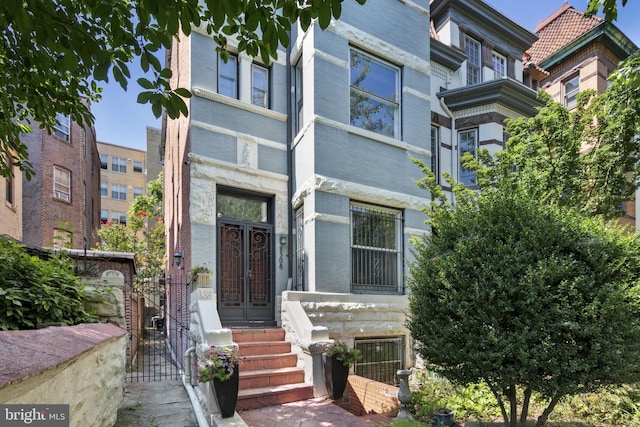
{"points": [[63, 197], [123, 176], [11, 205]]}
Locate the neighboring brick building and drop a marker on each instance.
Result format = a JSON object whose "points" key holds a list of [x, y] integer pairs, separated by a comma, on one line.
{"points": [[577, 53], [62, 199], [123, 176]]}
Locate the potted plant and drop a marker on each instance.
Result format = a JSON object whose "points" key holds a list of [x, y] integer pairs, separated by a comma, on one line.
{"points": [[200, 275], [220, 367], [443, 417], [336, 361]]}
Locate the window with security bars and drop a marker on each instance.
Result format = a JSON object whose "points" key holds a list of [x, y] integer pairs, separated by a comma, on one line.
{"points": [[376, 249], [381, 359]]}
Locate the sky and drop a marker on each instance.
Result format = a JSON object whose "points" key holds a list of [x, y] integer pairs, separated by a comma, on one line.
{"points": [[120, 120]]}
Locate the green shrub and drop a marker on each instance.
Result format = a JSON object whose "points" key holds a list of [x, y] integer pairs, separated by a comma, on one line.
{"points": [[35, 291]]}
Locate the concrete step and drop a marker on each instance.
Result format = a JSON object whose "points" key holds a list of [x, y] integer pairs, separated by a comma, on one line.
{"points": [[270, 377], [269, 374], [256, 398]]}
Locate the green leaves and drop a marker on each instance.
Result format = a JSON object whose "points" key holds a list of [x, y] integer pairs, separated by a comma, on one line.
{"points": [[54, 54]]}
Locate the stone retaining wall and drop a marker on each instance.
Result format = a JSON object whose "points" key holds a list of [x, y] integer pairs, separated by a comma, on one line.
{"points": [[82, 366]]}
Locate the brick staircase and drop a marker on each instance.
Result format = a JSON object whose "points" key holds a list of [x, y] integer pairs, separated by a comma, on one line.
{"points": [[268, 375]]}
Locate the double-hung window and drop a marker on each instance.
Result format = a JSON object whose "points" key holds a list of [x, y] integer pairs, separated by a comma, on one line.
{"points": [[468, 143], [299, 96], [259, 86], [61, 129], [137, 191], [472, 47], [103, 161], [228, 76], [118, 164], [376, 249], [499, 65], [104, 216], [571, 89], [104, 190], [137, 166], [118, 191], [61, 184], [119, 218], [375, 94]]}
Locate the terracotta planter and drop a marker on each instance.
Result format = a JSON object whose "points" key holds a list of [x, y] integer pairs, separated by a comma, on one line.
{"points": [[226, 393], [335, 376]]}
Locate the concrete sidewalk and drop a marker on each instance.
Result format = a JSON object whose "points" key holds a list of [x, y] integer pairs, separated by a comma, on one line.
{"points": [[167, 404]]}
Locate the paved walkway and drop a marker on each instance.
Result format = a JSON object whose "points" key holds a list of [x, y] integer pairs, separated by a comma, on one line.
{"points": [[167, 404]]}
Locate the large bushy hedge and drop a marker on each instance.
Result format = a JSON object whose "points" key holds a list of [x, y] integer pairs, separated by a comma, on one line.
{"points": [[35, 291]]}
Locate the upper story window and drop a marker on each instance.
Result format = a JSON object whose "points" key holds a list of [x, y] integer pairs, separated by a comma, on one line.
{"points": [[468, 143], [61, 129], [375, 94], [228, 76], [259, 86], [499, 65], [571, 89], [61, 184], [376, 249], [472, 47], [137, 166], [435, 151], [104, 216], [119, 217], [104, 159], [299, 95], [118, 164], [137, 191], [118, 191], [104, 190]]}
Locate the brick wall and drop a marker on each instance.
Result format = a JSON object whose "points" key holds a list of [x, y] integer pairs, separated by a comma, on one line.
{"points": [[364, 396]]}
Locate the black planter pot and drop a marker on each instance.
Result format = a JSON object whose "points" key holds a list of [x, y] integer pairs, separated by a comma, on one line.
{"points": [[443, 418], [226, 393], [335, 376]]}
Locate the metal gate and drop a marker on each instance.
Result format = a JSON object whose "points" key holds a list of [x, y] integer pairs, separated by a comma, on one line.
{"points": [[157, 313]]}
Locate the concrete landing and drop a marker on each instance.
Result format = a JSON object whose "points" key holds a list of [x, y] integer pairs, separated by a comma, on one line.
{"points": [[156, 404]]}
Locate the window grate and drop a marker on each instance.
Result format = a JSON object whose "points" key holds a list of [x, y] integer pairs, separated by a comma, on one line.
{"points": [[381, 359]]}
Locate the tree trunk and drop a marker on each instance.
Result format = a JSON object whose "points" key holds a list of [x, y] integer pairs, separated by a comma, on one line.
{"points": [[513, 406], [505, 417], [525, 406], [542, 419]]}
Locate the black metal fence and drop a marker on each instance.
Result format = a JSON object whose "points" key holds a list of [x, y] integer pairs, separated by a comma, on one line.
{"points": [[158, 325]]}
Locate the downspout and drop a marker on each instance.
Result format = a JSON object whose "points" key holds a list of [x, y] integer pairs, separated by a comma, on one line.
{"points": [[289, 166], [186, 382]]}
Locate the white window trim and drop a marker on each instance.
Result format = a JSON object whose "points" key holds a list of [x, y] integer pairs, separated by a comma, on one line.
{"points": [[61, 190], [460, 153], [503, 59], [398, 105], [235, 77], [258, 67], [472, 65], [573, 93], [62, 129]]}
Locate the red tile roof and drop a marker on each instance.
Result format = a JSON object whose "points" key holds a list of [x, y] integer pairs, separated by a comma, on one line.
{"points": [[559, 29]]}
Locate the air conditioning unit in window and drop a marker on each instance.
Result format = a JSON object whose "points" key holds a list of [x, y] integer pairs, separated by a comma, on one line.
{"points": [[60, 195]]}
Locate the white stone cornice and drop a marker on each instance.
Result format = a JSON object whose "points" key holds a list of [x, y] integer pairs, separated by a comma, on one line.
{"points": [[331, 59], [248, 137], [232, 102], [416, 7], [232, 45], [381, 47], [416, 93], [327, 218], [360, 192], [484, 109]]}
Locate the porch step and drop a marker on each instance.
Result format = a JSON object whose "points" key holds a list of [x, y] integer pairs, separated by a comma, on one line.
{"points": [[269, 374]]}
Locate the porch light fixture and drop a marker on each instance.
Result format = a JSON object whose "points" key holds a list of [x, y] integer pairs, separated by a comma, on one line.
{"points": [[177, 258]]}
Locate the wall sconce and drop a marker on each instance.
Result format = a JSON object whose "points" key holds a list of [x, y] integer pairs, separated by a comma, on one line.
{"points": [[177, 258], [283, 242]]}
